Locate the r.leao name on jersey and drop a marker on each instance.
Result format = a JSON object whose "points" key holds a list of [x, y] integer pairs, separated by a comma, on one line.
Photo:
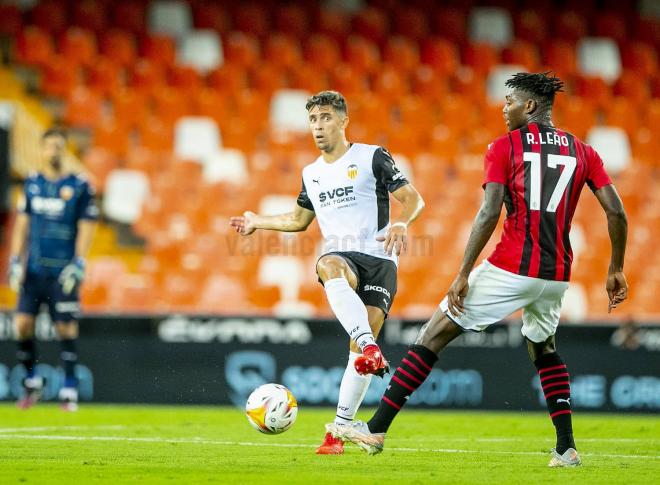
{"points": [[547, 138]]}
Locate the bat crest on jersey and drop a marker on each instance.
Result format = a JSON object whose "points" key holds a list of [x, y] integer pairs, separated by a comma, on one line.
{"points": [[352, 171]]}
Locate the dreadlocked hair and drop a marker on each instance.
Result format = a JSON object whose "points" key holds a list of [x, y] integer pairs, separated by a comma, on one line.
{"points": [[541, 85]]}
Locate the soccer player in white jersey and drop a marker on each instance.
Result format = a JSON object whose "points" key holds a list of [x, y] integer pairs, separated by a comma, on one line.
{"points": [[347, 187]]}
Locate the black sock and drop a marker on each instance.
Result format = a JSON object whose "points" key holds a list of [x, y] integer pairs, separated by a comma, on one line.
{"points": [[411, 373], [69, 357], [555, 383], [27, 355]]}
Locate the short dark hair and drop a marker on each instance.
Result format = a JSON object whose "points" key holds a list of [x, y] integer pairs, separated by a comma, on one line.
{"points": [[541, 85], [328, 98], [53, 132]]}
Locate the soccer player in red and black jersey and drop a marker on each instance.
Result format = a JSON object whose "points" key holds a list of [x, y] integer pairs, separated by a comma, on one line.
{"points": [[537, 171]]}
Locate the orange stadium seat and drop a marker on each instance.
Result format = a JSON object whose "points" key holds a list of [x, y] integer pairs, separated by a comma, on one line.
{"points": [[640, 58], [118, 45], [186, 79], [241, 49], [252, 18], [156, 135], [104, 76], [610, 24], [135, 293], [362, 54], [411, 23], [78, 45], [624, 114], [160, 49], [429, 84], [99, 162], [112, 136], [59, 76], [531, 26], [34, 46], [371, 23], [593, 88], [334, 23], [632, 86], [560, 57], [229, 78], [575, 114], [401, 53], [481, 57], [215, 104], [129, 15], [83, 107], [130, 107], [268, 77], [348, 80], [292, 19], [209, 15], [310, 78], [147, 75], [390, 82], [451, 24], [441, 54], [522, 53], [321, 52], [50, 15], [89, 14], [282, 51], [569, 26], [12, 23]]}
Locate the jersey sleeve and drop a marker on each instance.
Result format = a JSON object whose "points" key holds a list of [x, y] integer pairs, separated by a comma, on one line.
{"points": [[87, 208], [496, 162], [303, 199], [596, 175], [386, 171]]}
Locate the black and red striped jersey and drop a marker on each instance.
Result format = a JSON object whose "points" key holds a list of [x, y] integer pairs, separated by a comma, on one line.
{"points": [[543, 169]]}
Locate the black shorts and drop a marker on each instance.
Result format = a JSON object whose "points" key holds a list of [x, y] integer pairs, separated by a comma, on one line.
{"points": [[376, 278], [42, 289]]}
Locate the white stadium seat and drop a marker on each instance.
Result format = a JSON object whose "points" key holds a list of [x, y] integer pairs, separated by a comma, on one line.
{"points": [[599, 56], [226, 165], [285, 272], [612, 145], [196, 137], [125, 191], [271, 205], [575, 307], [491, 25], [287, 110], [201, 49], [496, 90], [172, 17]]}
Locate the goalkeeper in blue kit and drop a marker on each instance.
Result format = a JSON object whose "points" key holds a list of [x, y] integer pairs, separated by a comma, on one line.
{"points": [[52, 234]]}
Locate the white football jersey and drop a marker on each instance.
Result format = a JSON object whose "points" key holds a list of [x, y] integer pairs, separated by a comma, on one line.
{"points": [[350, 197]]}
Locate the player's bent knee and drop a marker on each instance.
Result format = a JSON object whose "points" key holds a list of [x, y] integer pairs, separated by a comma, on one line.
{"points": [[331, 266], [67, 330], [24, 326]]}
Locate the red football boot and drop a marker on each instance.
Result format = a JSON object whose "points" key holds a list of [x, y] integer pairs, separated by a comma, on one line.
{"points": [[371, 362], [331, 446]]}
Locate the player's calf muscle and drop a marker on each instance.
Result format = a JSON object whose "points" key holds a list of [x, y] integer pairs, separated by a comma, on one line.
{"points": [[438, 332]]}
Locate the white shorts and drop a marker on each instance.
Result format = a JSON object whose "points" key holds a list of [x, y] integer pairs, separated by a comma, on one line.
{"points": [[494, 294]]}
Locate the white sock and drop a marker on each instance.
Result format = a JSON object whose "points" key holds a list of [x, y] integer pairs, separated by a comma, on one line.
{"points": [[350, 311], [351, 392]]}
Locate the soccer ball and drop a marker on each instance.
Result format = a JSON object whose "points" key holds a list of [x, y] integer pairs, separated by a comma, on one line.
{"points": [[271, 409]]}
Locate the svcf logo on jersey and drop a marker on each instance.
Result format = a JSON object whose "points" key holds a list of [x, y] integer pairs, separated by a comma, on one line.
{"points": [[66, 193], [352, 171]]}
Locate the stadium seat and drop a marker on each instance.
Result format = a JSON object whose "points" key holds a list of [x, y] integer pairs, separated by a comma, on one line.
{"points": [[186, 79], [362, 54], [390, 82], [78, 45], [282, 51], [411, 22], [481, 57], [241, 49], [321, 51], [401, 53], [155, 135], [640, 58], [12, 23], [560, 57], [215, 104], [633, 86], [610, 24], [171, 17], [129, 15], [83, 108], [285, 272], [170, 104], [50, 15], [90, 14], [310, 78], [598, 56], [495, 82], [227, 165], [613, 146], [134, 293], [118, 45], [490, 25], [347, 80], [146, 76], [522, 53], [34, 46], [440, 54], [210, 15], [129, 107], [530, 26], [569, 26], [293, 20], [201, 49], [59, 76], [252, 18], [196, 137], [450, 23], [334, 23], [104, 76], [159, 49], [125, 191], [287, 110], [98, 163]]}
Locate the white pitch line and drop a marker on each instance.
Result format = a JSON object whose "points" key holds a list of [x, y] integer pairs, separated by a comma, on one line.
{"points": [[290, 445], [57, 428]]}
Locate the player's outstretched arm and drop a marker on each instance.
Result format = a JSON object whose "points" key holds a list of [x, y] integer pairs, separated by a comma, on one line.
{"points": [[482, 229], [295, 221], [617, 226], [17, 247]]}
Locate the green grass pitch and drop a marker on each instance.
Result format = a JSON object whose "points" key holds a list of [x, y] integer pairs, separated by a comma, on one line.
{"points": [[153, 444]]}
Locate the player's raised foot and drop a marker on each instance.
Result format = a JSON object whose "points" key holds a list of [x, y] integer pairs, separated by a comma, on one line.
{"points": [[32, 389], [68, 397], [358, 433], [331, 446], [569, 458], [372, 361]]}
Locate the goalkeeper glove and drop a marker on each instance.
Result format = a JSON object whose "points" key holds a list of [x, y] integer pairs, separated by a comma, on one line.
{"points": [[15, 273], [72, 275]]}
